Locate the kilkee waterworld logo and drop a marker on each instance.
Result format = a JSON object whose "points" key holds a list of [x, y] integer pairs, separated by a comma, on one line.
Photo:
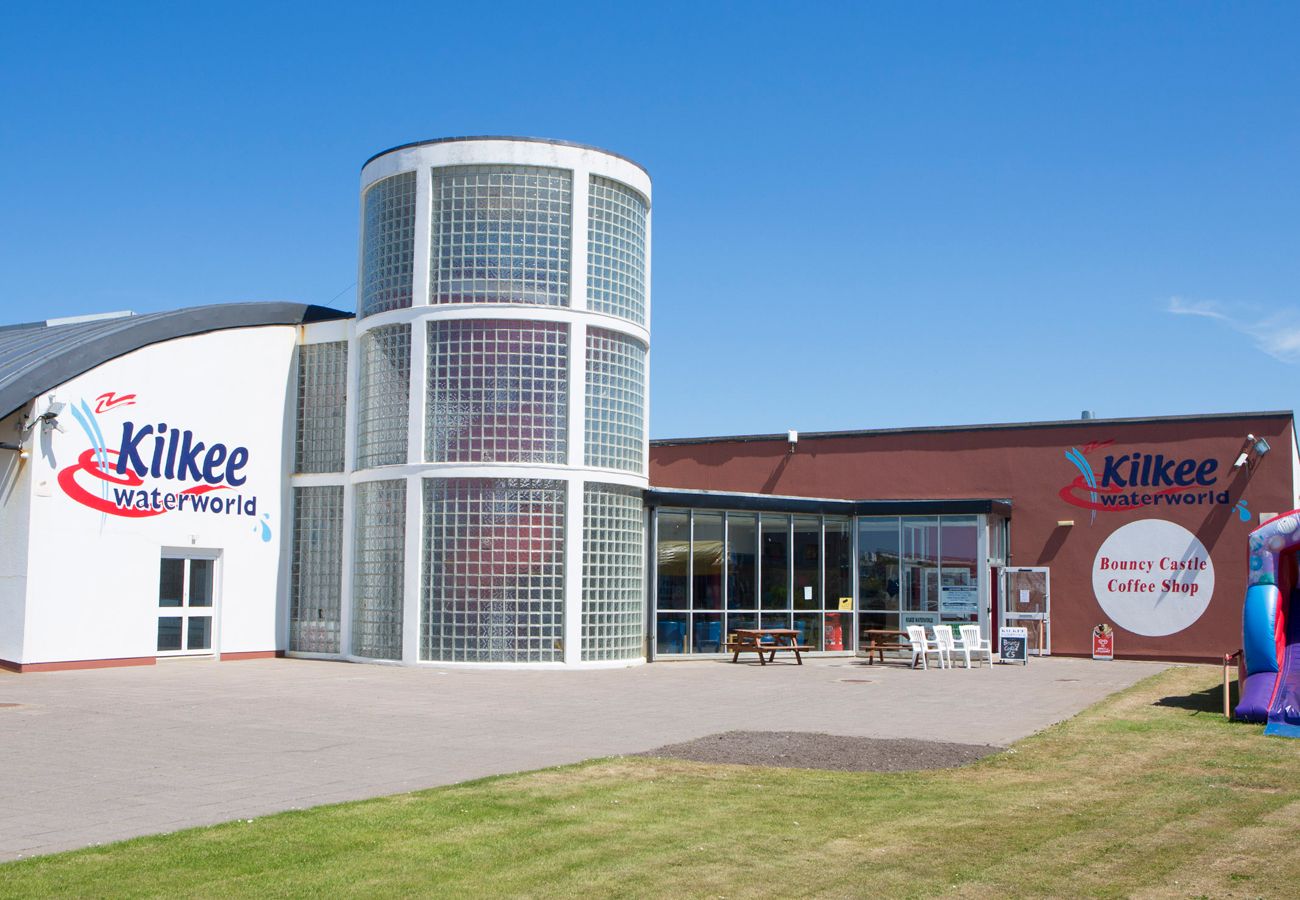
{"points": [[156, 469], [1130, 481]]}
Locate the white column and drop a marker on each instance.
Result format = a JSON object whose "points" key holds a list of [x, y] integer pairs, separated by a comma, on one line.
{"points": [[578, 242], [411, 572], [423, 216]]}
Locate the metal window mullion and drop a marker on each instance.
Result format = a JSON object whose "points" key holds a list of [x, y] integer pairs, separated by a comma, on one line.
{"points": [[690, 581], [726, 571], [652, 588]]}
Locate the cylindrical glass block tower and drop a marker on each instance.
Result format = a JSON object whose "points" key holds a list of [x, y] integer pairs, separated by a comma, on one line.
{"points": [[498, 446]]}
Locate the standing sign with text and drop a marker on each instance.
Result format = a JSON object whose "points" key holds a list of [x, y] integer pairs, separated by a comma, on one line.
{"points": [[1103, 642], [1013, 644]]}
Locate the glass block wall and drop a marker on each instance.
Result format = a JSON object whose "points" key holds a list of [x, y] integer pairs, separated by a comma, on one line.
{"points": [[616, 269], [315, 598], [613, 573], [513, 279], [322, 406], [387, 244], [497, 391], [383, 410], [500, 234], [493, 570], [615, 425], [378, 569]]}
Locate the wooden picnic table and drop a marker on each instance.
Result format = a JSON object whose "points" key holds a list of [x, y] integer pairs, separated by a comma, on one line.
{"points": [[877, 640], [765, 642]]}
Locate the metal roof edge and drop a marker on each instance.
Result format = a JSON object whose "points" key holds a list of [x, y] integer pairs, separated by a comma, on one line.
{"points": [[106, 340], [692, 498], [505, 137], [1000, 426]]}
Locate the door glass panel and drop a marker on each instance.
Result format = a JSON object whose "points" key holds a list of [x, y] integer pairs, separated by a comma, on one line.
{"points": [[707, 636], [809, 626], [171, 582], [673, 559], [877, 621], [921, 563], [706, 552], [201, 582], [169, 633], [807, 563], [878, 567], [671, 633], [959, 599], [742, 532], [740, 621], [839, 562], [839, 631], [776, 620], [200, 633], [775, 574]]}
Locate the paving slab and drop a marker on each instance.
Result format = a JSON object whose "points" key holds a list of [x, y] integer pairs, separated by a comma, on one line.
{"points": [[99, 755]]}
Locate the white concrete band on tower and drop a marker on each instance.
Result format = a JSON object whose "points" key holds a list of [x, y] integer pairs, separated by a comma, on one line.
{"points": [[473, 448]]}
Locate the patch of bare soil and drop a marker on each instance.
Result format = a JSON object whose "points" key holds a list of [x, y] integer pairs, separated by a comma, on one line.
{"points": [[810, 750]]}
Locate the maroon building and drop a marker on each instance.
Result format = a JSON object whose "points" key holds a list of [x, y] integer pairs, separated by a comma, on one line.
{"points": [[1141, 525]]}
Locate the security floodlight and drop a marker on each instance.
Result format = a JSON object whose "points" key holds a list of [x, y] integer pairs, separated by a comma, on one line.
{"points": [[50, 418], [1251, 452], [793, 437]]}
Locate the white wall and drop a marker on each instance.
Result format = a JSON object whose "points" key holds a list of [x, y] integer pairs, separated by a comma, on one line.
{"points": [[15, 504], [92, 589]]}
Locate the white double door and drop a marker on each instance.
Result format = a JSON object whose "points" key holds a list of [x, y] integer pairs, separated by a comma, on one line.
{"points": [[187, 596]]}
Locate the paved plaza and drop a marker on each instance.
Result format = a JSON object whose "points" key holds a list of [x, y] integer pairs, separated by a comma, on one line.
{"points": [[102, 755]]}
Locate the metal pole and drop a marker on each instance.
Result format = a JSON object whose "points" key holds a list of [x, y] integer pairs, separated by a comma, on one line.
{"points": [[1227, 709]]}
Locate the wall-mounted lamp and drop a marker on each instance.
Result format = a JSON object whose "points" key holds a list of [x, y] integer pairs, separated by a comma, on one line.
{"points": [[1065, 523], [793, 437], [17, 448], [1251, 452]]}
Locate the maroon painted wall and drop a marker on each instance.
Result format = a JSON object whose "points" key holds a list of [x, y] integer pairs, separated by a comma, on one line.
{"points": [[1028, 465]]}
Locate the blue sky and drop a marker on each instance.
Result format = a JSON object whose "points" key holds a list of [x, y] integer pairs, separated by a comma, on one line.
{"points": [[866, 215]]}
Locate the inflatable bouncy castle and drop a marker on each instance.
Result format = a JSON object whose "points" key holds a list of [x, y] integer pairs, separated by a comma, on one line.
{"points": [[1271, 628]]}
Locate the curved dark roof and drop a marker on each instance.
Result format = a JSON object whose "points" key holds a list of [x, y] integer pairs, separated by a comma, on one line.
{"points": [[38, 357], [506, 137]]}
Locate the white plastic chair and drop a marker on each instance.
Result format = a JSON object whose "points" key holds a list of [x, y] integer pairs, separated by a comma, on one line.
{"points": [[944, 640], [951, 645], [973, 643], [921, 646]]}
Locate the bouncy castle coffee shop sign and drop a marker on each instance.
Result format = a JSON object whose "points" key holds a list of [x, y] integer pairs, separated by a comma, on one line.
{"points": [[1153, 577]]}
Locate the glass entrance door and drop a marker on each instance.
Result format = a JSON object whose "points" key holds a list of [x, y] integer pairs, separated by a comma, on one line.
{"points": [[1027, 603], [186, 592]]}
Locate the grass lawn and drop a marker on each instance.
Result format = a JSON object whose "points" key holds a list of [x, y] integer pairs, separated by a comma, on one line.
{"points": [[1149, 793]]}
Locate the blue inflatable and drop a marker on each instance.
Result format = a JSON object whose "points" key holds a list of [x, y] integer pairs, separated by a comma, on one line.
{"points": [[1270, 629]]}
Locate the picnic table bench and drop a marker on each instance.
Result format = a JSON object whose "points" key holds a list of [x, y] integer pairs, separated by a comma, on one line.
{"points": [[875, 641], [766, 642]]}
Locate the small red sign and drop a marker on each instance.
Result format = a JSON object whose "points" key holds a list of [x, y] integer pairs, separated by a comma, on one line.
{"points": [[1103, 642]]}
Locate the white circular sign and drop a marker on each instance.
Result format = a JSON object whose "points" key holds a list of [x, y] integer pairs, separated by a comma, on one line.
{"points": [[1153, 577]]}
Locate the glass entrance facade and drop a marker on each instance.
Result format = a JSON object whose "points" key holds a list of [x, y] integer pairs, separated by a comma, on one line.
{"points": [[828, 577]]}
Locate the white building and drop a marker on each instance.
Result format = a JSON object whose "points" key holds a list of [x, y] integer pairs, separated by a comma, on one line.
{"points": [[454, 476]]}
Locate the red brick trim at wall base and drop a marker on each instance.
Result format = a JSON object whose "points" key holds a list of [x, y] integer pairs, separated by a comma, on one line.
{"points": [[125, 661], [77, 664], [1148, 657]]}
